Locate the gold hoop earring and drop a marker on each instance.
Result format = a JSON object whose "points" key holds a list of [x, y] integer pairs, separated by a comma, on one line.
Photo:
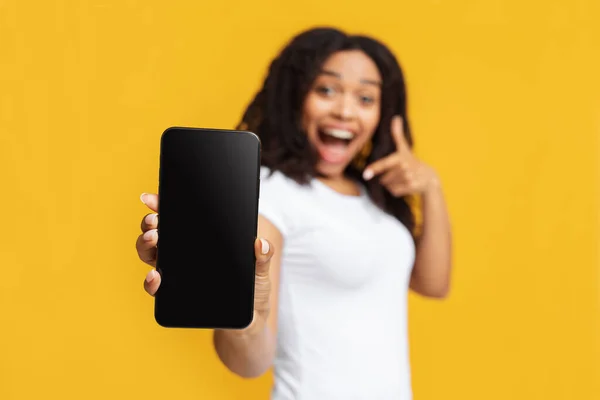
{"points": [[360, 160]]}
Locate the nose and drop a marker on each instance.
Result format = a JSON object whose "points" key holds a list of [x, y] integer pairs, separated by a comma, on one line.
{"points": [[345, 108]]}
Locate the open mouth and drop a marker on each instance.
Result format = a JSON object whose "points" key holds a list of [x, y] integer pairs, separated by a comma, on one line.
{"points": [[334, 144]]}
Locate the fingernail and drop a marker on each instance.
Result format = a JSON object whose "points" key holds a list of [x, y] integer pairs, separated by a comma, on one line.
{"points": [[143, 195], [264, 246], [149, 235], [367, 174], [153, 218], [151, 275]]}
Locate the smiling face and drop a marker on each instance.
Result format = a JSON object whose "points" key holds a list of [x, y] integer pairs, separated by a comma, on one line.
{"points": [[342, 110]]}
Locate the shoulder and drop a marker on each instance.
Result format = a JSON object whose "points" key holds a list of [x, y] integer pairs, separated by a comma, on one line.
{"points": [[280, 199], [269, 175], [277, 181]]}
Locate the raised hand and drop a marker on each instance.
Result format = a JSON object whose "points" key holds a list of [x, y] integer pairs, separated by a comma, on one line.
{"points": [[401, 172]]}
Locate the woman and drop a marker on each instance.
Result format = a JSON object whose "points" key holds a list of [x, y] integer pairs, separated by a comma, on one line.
{"points": [[338, 247]]}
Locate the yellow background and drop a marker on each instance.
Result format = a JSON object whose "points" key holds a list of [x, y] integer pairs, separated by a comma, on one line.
{"points": [[504, 101]]}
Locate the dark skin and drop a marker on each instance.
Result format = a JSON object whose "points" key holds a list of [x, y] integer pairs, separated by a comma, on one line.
{"points": [[404, 174], [344, 98]]}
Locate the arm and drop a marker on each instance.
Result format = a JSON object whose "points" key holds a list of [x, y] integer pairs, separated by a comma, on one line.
{"points": [[403, 174], [431, 272], [250, 352]]}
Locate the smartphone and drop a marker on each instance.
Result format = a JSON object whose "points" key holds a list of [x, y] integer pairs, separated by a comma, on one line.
{"points": [[209, 184]]}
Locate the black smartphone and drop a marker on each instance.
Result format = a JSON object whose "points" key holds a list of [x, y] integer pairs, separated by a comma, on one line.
{"points": [[209, 184]]}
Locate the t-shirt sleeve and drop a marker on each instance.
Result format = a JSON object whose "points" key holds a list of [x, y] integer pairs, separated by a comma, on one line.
{"points": [[274, 202]]}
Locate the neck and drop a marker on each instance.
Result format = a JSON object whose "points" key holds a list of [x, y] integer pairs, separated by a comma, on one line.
{"points": [[341, 184]]}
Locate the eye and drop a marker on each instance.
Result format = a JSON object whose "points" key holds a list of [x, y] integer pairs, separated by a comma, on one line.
{"points": [[326, 91], [367, 100]]}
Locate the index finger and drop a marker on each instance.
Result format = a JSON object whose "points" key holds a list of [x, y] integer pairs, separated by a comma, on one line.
{"points": [[380, 166], [398, 135], [151, 200]]}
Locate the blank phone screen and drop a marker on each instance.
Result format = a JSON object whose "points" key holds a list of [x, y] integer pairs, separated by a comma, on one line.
{"points": [[208, 211]]}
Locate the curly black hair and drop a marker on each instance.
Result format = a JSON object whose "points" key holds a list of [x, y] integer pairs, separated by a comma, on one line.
{"points": [[275, 113]]}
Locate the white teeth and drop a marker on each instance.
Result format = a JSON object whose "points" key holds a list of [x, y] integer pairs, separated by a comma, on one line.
{"points": [[339, 133]]}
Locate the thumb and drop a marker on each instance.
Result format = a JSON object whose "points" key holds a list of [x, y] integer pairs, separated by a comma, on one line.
{"points": [[263, 252]]}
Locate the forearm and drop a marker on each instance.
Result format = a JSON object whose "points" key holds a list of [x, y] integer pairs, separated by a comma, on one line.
{"points": [[431, 273], [248, 353]]}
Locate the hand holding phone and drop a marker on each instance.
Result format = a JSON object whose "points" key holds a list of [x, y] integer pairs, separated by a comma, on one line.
{"points": [[146, 248], [204, 243]]}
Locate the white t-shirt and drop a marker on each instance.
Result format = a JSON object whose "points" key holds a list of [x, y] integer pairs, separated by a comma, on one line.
{"points": [[345, 270]]}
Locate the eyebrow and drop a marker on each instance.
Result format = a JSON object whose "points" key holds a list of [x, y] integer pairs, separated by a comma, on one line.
{"points": [[339, 76]]}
